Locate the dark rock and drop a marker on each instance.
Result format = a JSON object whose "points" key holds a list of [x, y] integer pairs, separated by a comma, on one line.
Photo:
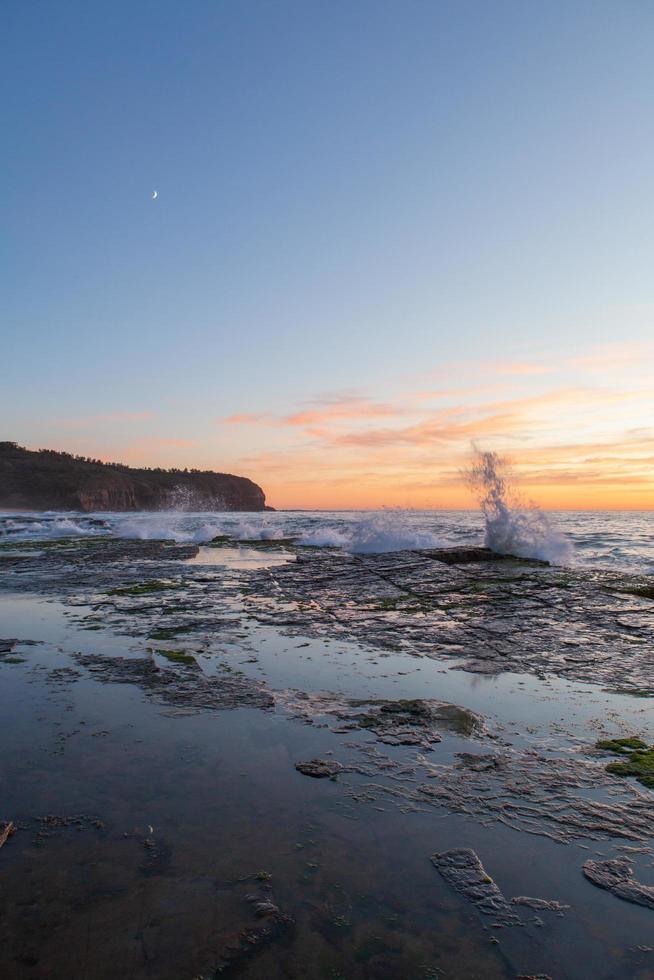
{"points": [[411, 722], [184, 689], [319, 768], [540, 904], [462, 869], [465, 556], [6, 830], [243, 946], [479, 763], [615, 875]]}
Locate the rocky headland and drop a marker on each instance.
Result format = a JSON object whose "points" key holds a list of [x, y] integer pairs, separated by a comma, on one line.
{"points": [[48, 480]]}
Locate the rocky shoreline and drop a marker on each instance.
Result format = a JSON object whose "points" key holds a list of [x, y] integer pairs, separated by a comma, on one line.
{"points": [[367, 670]]}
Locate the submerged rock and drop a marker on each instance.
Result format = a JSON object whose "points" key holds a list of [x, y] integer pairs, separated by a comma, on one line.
{"points": [[462, 869], [186, 689], [270, 925], [6, 830], [615, 875]]}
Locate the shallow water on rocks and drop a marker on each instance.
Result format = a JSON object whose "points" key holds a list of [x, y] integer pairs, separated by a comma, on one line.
{"points": [[144, 822]]}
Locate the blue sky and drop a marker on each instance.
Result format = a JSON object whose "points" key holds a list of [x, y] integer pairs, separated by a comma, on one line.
{"points": [[352, 197]]}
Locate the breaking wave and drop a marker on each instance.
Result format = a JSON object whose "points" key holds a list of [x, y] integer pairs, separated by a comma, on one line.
{"points": [[50, 524], [364, 533], [373, 533], [512, 527]]}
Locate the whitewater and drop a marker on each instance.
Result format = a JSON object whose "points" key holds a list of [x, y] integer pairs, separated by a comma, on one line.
{"points": [[622, 540]]}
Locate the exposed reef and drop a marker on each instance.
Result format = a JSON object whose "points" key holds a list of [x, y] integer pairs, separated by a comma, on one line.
{"points": [[339, 667], [616, 876], [493, 613], [462, 869]]}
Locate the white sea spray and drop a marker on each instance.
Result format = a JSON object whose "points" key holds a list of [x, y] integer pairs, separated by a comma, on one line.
{"points": [[513, 527]]}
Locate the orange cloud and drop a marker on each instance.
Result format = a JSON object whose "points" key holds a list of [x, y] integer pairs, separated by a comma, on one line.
{"points": [[345, 409], [577, 446]]}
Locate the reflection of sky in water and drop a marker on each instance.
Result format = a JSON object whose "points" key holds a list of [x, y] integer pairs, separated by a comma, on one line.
{"points": [[240, 558], [220, 788], [344, 668]]}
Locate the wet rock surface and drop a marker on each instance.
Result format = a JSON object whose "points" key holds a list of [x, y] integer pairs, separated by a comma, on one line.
{"points": [[190, 638], [320, 768], [543, 794], [616, 876], [540, 904], [495, 614], [462, 869], [182, 688], [411, 722]]}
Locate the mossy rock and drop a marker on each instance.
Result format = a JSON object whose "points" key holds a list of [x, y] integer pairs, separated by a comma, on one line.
{"points": [[178, 657], [641, 591], [622, 746], [640, 761], [146, 588]]}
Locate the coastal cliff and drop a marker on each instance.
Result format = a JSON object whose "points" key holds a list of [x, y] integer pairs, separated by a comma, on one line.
{"points": [[48, 480]]}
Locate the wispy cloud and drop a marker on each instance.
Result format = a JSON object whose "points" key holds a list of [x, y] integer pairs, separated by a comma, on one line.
{"points": [[250, 418], [577, 443]]}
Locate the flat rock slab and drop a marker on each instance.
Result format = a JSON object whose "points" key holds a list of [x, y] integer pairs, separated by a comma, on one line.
{"points": [[492, 613], [462, 869], [615, 875], [180, 688], [464, 556]]}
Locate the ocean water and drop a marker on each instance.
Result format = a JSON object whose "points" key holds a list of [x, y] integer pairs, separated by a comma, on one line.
{"points": [[621, 540]]}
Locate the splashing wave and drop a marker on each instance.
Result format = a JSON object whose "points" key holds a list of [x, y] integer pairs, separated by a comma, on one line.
{"points": [[513, 528]]}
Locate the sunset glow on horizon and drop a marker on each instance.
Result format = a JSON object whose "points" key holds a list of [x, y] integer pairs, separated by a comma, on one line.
{"points": [[576, 432], [383, 233]]}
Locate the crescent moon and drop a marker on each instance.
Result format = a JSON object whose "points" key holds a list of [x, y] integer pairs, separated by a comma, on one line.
{"points": [[154, 195]]}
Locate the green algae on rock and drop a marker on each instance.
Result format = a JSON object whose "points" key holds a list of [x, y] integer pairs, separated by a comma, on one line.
{"points": [[177, 657], [146, 588], [640, 761]]}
